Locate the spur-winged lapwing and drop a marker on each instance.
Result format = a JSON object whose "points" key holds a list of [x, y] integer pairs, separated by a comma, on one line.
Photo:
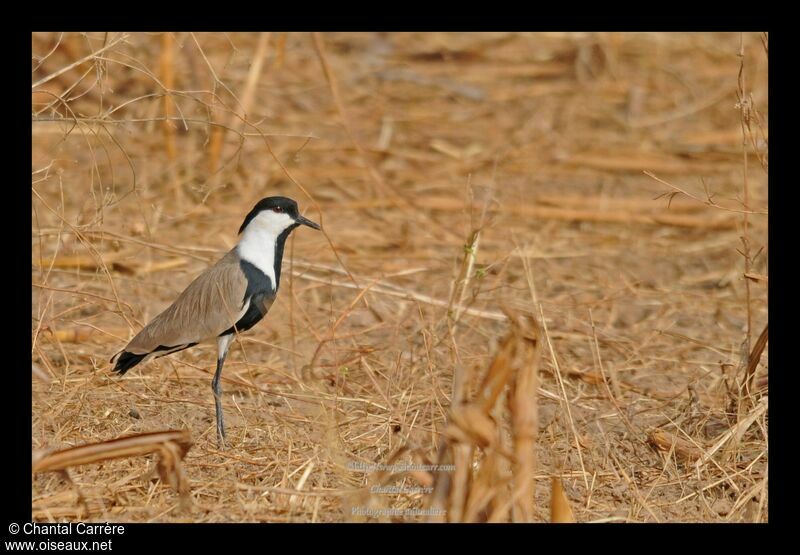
{"points": [[231, 296]]}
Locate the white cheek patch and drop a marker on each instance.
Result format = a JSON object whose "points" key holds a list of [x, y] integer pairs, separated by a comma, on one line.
{"points": [[271, 222], [257, 244]]}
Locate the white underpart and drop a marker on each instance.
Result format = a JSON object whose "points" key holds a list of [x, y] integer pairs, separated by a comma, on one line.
{"points": [[222, 345], [257, 245]]}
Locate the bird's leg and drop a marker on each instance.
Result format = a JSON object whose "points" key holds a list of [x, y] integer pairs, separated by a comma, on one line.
{"points": [[215, 385], [222, 348]]}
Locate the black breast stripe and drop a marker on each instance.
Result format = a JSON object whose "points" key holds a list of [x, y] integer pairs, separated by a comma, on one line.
{"points": [[257, 281], [279, 244], [259, 292], [255, 312]]}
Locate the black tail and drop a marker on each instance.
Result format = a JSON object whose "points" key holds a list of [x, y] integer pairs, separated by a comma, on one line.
{"points": [[126, 361]]}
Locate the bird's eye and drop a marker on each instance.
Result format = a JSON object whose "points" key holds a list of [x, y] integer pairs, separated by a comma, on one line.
{"points": [[277, 209]]}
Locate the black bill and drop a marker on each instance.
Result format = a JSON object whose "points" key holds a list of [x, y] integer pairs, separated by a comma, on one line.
{"points": [[305, 221]]}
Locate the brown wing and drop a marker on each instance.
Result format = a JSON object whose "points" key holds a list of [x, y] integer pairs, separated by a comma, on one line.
{"points": [[212, 303]]}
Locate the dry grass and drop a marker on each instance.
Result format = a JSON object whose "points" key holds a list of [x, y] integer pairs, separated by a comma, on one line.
{"points": [[458, 177]]}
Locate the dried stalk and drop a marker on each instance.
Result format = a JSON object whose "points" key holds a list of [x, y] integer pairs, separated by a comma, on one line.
{"points": [[481, 491], [171, 447]]}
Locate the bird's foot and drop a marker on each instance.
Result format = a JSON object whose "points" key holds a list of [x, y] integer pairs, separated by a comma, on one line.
{"points": [[221, 435]]}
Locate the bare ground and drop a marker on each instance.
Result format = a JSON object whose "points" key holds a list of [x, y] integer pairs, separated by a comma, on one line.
{"points": [[142, 172]]}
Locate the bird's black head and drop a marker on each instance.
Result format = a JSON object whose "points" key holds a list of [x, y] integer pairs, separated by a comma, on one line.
{"points": [[278, 213]]}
